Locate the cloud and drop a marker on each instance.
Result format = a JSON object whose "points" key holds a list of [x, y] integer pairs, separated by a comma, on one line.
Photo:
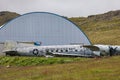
{"points": [[68, 8]]}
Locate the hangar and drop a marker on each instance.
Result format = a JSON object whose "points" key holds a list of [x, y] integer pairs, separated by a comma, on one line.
{"points": [[44, 27]]}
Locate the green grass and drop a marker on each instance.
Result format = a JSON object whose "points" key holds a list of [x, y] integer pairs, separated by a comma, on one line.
{"points": [[92, 69], [30, 61]]}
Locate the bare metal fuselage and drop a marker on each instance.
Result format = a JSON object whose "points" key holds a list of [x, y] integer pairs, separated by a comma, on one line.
{"points": [[28, 49], [60, 50]]}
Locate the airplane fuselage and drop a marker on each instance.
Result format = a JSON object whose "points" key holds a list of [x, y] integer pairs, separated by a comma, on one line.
{"points": [[28, 49], [61, 50]]}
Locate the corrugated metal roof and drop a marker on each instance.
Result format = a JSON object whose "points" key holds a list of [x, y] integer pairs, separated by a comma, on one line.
{"points": [[44, 27]]}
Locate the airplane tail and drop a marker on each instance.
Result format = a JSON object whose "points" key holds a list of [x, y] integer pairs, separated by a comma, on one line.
{"points": [[9, 46]]}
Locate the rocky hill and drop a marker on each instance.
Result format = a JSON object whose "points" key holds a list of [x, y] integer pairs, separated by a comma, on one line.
{"points": [[6, 16], [106, 16], [99, 22]]}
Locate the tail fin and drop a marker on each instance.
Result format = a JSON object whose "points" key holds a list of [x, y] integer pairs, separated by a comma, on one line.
{"points": [[9, 46]]}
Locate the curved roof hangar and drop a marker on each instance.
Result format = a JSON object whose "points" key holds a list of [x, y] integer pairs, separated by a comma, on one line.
{"points": [[47, 28]]}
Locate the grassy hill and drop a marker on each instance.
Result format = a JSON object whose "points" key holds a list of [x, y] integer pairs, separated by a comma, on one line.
{"points": [[102, 28]]}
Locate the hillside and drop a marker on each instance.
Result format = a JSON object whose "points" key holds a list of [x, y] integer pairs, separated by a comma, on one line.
{"points": [[6, 16], [100, 29]]}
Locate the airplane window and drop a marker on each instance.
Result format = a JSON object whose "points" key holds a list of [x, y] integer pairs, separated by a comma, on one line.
{"points": [[51, 50], [66, 50], [47, 50], [57, 50], [61, 50], [76, 50]]}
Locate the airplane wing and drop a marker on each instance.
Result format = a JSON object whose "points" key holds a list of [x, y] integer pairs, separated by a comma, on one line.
{"points": [[91, 47], [69, 54]]}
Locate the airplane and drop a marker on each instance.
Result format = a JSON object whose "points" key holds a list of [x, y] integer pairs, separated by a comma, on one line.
{"points": [[14, 48]]}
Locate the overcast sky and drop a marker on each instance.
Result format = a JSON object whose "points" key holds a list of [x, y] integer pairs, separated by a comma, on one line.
{"points": [[69, 8]]}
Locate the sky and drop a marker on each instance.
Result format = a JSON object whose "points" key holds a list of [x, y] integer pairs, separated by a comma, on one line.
{"points": [[68, 8]]}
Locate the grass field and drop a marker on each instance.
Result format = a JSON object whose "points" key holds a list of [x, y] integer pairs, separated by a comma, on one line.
{"points": [[83, 69]]}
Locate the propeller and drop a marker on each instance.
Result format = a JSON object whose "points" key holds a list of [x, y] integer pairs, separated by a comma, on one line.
{"points": [[112, 50]]}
